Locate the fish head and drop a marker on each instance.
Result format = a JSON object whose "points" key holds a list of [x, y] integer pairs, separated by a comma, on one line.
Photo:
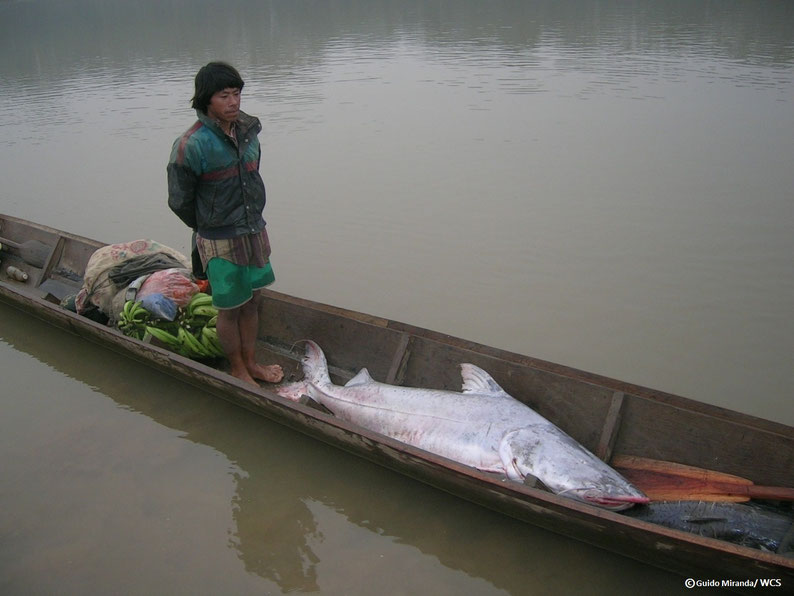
{"points": [[566, 468]]}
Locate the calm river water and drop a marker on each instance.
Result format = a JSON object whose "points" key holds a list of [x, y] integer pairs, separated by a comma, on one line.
{"points": [[603, 184]]}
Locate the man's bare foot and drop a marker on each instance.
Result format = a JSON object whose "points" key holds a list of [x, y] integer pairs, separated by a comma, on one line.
{"points": [[271, 373]]}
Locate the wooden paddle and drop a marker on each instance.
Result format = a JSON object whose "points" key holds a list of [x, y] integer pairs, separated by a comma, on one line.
{"points": [[669, 481], [33, 252]]}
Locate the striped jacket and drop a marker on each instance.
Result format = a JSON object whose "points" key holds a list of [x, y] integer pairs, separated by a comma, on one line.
{"points": [[215, 186]]}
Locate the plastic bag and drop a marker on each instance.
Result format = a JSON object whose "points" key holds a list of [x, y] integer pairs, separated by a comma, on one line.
{"points": [[160, 306], [171, 283]]}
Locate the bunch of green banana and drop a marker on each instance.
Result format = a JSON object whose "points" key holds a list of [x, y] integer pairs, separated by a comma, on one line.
{"points": [[193, 334], [194, 348], [166, 337], [198, 312], [209, 339], [133, 319], [187, 344]]}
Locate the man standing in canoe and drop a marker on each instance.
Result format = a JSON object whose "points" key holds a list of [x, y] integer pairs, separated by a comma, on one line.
{"points": [[215, 188]]}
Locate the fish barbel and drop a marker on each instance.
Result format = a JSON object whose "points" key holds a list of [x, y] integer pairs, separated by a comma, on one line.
{"points": [[482, 426]]}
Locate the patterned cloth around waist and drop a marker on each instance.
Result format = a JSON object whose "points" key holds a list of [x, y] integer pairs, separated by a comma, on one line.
{"points": [[251, 249]]}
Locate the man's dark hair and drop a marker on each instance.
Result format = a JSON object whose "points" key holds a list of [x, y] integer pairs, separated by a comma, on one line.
{"points": [[214, 77]]}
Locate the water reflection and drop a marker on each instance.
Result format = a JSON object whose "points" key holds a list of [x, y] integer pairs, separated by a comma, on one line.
{"points": [[275, 38]]}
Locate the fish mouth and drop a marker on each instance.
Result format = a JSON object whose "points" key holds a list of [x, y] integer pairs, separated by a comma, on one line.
{"points": [[616, 502]]}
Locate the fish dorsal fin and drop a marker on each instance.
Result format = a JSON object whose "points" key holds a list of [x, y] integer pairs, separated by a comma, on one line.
{"points": [[476, 380], [362, 378]]}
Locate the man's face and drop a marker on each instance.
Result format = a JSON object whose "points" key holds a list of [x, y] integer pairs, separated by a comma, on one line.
{"points": [[225, 105]]}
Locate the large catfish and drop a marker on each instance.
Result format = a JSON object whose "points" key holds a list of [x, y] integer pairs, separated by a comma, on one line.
{"points": [[483, 427]]}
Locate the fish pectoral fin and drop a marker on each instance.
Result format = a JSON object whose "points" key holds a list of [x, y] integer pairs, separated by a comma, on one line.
{"points": [[362, 378], [509, 459], [476, 380]]}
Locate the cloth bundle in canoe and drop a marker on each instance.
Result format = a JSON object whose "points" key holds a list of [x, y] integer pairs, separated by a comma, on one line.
{"points": [[125, 273], [125, 262]]}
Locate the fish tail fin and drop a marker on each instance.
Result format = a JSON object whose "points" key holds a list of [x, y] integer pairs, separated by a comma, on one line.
{"points": [[315, 366]]}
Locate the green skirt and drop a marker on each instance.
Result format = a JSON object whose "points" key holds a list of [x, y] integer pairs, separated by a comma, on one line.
{"points": [[233, 285]]}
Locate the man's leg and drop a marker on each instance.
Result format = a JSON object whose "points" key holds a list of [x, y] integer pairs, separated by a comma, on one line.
{"points": [[249, 329], [238, 327], [228, 327]]}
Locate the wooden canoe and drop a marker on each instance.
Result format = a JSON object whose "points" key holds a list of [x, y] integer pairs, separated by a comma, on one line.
{"points": [[609, 417]]}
